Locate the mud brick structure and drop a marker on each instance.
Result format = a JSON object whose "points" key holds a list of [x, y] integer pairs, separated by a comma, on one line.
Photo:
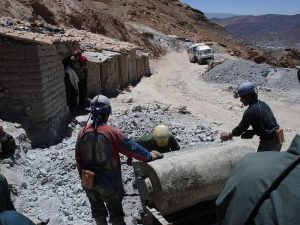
{"points": [[32, 89], [109, 72]]}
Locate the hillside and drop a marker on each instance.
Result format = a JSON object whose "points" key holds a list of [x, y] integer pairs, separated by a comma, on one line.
{"points": [[219, 15], [111, 18], [265, 30], [118, 19]]}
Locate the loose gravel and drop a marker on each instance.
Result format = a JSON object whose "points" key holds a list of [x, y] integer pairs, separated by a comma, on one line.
{"points": [[48, 186]]}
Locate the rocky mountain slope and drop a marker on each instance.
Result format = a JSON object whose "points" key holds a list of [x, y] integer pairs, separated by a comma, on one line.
{"points": [[270, 30], [113, 18], [118, 19]]}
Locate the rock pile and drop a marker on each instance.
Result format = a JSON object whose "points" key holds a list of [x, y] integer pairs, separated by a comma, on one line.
{"points": [[235, 72], [48, 184]]}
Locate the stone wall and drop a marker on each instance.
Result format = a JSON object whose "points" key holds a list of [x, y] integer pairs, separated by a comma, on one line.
{"points": [[94, 79], [110, 72], [32, 88]]}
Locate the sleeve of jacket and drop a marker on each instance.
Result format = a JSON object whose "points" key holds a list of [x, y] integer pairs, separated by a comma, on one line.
{"points": [[77, 154], [174, 143], [129, 147], [243, 125]]}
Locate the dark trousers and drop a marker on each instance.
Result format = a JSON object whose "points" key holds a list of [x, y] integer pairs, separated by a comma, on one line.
{"points": [[82, 85], [269, 145], [71, 93], [113, 201]]}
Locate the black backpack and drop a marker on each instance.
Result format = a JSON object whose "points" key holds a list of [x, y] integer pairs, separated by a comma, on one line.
{"points": [[96, 151]]}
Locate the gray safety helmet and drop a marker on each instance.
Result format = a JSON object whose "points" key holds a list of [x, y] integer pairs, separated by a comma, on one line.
{"points": [[244, 89], [100, 104]]}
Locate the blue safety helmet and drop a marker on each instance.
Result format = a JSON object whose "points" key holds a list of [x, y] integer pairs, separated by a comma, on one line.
{"points": [[244, 89], [100, 104]]}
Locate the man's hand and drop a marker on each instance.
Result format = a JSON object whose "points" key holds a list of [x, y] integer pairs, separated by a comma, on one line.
{"points": [[225, 136], [156, 154]]}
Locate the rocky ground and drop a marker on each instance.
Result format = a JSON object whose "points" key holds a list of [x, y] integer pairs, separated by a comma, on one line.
{"points": [[195, 104]]}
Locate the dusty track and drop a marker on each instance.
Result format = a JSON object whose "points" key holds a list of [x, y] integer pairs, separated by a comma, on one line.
{"points": [[176, 81]]}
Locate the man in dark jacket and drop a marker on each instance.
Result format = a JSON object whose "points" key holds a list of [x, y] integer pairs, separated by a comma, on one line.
{"points": [[263, 188], [259, 116], [97, 151]]}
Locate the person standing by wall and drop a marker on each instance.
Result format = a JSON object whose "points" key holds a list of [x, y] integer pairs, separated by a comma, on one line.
{"points": [[98, 162], [79, 65], [260, 117], [71, 84]]}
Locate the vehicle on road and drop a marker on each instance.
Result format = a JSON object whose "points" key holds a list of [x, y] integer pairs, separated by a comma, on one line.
{"points": [[200, 53]]}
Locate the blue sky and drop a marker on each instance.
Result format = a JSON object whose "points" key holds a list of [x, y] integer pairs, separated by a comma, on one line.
{"points": [[247, 7]]}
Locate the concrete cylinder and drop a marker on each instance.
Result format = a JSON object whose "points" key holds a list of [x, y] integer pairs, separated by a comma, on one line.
{"points": [[184, 178]]}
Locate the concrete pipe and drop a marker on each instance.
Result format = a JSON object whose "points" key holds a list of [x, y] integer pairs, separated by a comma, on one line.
{"points": [[184, 178]]}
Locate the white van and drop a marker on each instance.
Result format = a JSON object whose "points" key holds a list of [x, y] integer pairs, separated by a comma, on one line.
{"points": [[200, 53]]}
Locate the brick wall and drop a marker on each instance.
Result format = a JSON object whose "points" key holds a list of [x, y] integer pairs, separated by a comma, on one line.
{"points": [[32, 88], [110, 76], [109, 72], [94, 78]]}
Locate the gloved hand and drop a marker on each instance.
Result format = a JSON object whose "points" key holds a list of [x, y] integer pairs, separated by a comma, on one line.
{"points": [[225, 136], [248, 134], [156, 155], [129, 161]]}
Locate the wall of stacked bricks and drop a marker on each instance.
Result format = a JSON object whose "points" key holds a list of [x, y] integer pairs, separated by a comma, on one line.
{"points": [[33, 92], [94, 79], [116, 73], [32, 89]]}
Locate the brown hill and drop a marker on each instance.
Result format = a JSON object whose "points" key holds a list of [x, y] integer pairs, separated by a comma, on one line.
{"points": [[266, 30], [111, 18]]}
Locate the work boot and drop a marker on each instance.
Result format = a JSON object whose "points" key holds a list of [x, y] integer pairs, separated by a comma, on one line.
{"points": [[118, 221], [101, 220]]}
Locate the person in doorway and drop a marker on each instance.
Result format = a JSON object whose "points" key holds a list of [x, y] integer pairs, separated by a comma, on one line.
{"points": [[259, 116], [79, 65], [71, 84], [7, 144], [263, 188], [97, 154], [160, 139]]}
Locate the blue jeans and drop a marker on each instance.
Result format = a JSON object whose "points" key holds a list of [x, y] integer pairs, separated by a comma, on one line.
{"points": [[11, 217]]}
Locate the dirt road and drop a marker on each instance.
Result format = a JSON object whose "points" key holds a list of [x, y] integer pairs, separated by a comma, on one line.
{"points": [[178, 82]]}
